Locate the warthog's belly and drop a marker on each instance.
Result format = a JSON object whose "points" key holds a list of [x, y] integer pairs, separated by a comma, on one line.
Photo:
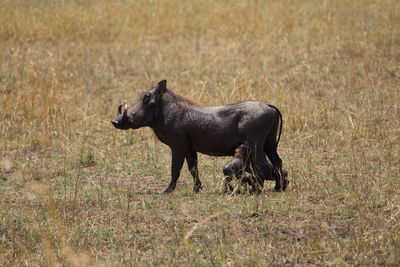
{"points": [[212, 148]]}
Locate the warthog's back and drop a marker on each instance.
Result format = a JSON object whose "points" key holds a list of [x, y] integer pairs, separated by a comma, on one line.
{"points": [[218, 130]]}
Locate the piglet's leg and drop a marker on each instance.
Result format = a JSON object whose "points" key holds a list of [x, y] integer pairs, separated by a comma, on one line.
{"points": [[227, 186]]}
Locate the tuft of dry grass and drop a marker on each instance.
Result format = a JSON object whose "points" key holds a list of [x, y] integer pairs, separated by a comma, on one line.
{"points": [[76, 192]]}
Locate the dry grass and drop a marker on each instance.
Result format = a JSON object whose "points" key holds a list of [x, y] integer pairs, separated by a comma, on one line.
{"points": [[75, 191]]}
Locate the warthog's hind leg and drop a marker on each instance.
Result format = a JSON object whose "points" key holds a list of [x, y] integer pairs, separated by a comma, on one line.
{"points": [[281, 181], [191, 159], [260, 165]]}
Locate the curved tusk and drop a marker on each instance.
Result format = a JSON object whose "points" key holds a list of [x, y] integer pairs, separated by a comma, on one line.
{"points": [[125, 115]]}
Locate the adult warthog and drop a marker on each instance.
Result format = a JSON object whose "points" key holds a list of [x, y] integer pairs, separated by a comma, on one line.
{"points": [[188, 128]]}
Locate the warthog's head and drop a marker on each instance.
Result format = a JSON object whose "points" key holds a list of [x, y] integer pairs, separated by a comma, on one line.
{"points": [[144, 111]]}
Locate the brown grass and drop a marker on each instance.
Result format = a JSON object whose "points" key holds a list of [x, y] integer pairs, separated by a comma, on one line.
{"points": [[75, 191]]}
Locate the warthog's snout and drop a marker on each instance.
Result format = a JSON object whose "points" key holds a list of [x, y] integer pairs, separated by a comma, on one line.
{"points": [[115, 123], [121, 122]]}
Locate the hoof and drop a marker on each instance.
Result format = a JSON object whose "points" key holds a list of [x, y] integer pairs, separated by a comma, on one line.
{"points": [[278, 187], [256, 192], [169, 190], [197, 188], [228, 189], [283, 182]]}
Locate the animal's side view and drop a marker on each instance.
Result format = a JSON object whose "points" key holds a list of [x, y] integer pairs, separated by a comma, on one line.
{"points": [[238, 168], [188, 128]]}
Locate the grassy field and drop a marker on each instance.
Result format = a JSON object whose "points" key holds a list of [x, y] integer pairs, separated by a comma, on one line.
{"points": [[74, 191]]}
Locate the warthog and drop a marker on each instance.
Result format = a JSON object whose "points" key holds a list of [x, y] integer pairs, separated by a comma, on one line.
{"points": [[188, 128], [239, 168]]}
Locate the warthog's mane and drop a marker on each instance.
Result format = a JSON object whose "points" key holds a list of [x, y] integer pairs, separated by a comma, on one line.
{"points": [[181, 100]]}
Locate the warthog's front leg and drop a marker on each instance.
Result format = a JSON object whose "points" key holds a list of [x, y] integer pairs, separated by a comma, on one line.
{"points": [[177, 163], [191, 159]]}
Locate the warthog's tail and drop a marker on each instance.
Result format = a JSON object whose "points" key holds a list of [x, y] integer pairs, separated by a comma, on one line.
{"points": [[271, 150], [280, 123]]}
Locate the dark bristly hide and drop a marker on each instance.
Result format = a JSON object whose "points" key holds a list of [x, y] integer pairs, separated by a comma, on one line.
{"points": [[188, 128], [238, 168]]}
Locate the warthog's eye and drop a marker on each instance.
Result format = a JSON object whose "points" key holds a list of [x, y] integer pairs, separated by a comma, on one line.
{"points": [[146, 98]]}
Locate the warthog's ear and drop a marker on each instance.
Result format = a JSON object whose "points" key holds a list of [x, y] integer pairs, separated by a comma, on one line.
{"points": [[161, 87]]}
